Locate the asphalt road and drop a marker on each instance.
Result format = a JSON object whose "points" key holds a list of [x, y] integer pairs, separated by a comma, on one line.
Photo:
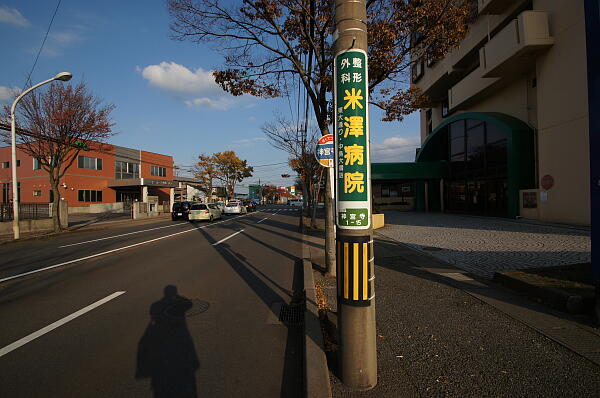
{"points": [[163, 309]]}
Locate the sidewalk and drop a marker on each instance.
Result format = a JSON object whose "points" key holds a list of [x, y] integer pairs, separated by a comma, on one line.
{"points": [[442, 331]]}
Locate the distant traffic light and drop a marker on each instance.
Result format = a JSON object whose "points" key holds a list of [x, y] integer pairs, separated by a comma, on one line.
{"points": [[285, 175]]}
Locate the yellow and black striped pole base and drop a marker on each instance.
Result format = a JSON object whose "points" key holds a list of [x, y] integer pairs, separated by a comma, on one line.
{"points": [[355, 270]]}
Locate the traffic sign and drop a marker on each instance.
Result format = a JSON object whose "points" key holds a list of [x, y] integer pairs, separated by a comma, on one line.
{"points": [[325, 151], [352, 165], [547, 182]]}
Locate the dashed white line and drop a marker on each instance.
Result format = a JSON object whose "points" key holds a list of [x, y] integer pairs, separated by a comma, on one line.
{"points": [[262, 220], [52, 326], [117, 236], [228, 237]]}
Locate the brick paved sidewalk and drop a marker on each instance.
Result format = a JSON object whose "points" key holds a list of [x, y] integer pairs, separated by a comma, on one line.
{"points": [[483, 245], [438, 335]]}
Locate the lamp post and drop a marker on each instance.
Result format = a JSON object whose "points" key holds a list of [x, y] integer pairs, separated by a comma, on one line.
{"points": [[62, 76]]}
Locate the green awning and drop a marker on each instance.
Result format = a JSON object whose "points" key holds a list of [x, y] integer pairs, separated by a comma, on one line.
{"points": [[409, 171]]}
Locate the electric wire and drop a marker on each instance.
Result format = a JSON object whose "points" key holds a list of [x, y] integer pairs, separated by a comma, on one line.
{"points": [[28, 81]]}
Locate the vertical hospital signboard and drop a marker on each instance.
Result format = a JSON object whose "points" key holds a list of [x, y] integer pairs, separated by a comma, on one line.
{"points": [[352, 166]]}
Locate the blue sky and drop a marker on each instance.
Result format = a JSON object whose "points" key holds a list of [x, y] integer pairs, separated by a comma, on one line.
{"points": [[165, 97]]}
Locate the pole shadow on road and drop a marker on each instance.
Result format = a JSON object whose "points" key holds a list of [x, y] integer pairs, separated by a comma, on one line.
{"points": [[291, 384], [166, 352]]}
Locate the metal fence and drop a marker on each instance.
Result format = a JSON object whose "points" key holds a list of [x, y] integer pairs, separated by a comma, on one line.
{"points": [[27, 211]]}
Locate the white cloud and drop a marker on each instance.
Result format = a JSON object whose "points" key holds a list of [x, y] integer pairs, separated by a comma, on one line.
{"points": [[220, 104], [197, 86], [13, 16], [396, 149], [250, 141], [8, 93], [65, 38], [177, 78], [59, 42]]}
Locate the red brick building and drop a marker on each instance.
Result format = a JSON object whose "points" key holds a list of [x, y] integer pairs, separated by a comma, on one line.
{"points": [[116, 174]]}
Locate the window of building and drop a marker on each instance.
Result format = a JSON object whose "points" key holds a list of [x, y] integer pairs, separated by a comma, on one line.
{"points": [[445, 107], [158, 171], [37, 193], [88, 195], [5, 192], [18, 163], [417, 70], [36, 164], [478, 171], [51, 194], [415, 38], [126, 170], [5, 165], [86, 162]]}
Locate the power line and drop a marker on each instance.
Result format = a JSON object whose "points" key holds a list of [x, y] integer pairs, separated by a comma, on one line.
{"points": [[272, 164], [28, 81]]}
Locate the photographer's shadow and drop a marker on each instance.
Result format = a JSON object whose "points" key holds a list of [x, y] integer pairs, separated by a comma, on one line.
{"points": [[166, 351]]}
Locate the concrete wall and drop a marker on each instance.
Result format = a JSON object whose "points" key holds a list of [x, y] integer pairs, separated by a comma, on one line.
{"points": [[141, 211], [98, 208], [563, 115], [37, 225]]}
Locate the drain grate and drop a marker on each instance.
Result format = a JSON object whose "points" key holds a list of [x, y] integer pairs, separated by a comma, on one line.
{"points": [[186, 308], [291, 314]]}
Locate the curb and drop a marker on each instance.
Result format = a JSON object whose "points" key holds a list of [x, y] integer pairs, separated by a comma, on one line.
{"points": [[316, 373], [556, 298]]}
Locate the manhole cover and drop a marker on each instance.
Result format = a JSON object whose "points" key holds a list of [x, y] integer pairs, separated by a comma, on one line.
{"points": [[186, 308], [291, 314], [432, 249]]}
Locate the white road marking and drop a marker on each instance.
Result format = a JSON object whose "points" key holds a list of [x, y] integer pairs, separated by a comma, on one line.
{"points": [[112, 251], [52, 326], [262, 220], [117, 236], [230, 236]]}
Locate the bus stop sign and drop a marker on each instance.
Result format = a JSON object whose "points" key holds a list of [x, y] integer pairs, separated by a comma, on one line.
{"points": [[325, 153]]}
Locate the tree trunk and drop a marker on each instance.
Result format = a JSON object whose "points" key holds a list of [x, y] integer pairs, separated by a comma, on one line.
{"points": [[329, 227], [55, 204]]}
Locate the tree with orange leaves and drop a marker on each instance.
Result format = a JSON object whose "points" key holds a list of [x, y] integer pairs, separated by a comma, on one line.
{"points": [[60, 122], [267, 44]]}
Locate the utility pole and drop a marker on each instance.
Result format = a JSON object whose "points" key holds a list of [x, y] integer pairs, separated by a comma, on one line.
{"points": [[354, 242], [592, 25]]}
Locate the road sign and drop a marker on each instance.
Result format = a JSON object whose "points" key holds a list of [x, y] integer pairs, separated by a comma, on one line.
{"points": [[352, 166], [547, 182], [325, 151]]}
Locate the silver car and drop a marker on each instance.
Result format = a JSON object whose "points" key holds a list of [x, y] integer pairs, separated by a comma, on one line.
{"points": [[235, 207], [201, 211]]}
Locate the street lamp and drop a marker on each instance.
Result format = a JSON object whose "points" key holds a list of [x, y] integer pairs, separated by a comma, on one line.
{"points": [[62, 76]]}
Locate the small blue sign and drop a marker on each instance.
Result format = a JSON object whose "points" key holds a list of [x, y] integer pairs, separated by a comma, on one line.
{"points": [[325, 152]]}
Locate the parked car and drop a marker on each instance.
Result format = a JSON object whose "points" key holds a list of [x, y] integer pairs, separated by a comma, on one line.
{"points": [[221, 206], [181, 210], [216, 209], [235, 207], [295, 202], [250, 205], [201, 211]]}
